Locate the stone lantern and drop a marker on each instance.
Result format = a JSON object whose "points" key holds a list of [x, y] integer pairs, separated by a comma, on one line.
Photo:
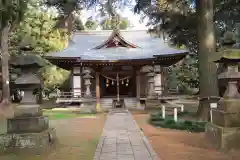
{"points": [[151, 93], [224, 130], [28, 130], [158, 84], [87, 82], [89, 103]]}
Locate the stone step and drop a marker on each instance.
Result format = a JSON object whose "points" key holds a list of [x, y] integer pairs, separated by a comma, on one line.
{"points": [[106, 103], [130, 102]]}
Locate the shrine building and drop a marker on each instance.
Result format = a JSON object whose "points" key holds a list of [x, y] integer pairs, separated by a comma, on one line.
{"points": [[114, 65]]}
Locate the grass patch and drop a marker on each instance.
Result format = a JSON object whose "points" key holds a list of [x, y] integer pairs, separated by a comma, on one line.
{"points": [[54, 115], [168, 122]]}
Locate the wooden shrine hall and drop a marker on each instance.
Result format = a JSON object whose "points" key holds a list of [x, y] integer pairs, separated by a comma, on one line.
{"points": [[119, 66]]}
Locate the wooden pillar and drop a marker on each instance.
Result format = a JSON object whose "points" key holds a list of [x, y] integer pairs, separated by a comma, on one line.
{"points": [[138, 87], [97, 89]]}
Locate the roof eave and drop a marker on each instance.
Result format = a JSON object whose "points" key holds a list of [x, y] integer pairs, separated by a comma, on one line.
{"points": [[61, 58], [172, 55]]}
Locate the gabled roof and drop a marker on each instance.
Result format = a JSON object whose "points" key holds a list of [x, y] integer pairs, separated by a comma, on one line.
{"points": [[116, 36], [84, 46]]}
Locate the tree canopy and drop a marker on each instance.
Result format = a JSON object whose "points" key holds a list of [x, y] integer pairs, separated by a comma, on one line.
{"points": [[177, 20], [106, 24], [91, 24], [79, 26], [11, 12], [37, 31]]}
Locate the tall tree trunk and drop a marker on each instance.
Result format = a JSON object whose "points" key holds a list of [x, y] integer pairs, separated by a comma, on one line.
{"points": [[4, 31], [206, 47]]}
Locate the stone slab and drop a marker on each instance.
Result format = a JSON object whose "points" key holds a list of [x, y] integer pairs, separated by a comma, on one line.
{"points": [[28, 143], [223, 138], [125, 157], [108, 156], [123, 140]]}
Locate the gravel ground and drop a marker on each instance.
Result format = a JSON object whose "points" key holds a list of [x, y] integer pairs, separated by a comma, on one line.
{"points": [[180, 145], [77, 140]]}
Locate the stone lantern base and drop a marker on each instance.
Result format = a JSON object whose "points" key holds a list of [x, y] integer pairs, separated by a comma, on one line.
{"points": [[28, 132], [223, 138], [88, 105], [28, 143], [224, 131]]}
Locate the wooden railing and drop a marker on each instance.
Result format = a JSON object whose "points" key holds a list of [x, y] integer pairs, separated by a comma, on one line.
{"points": [[71, 97]]}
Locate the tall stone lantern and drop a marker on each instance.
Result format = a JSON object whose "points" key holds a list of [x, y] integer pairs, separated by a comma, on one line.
{"points": [[28, 131], [224, 130], [151, 93], [89, 103], [87, 82]]}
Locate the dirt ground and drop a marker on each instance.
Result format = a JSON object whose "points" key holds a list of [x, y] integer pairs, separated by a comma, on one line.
{"points": [[180, 145], [77, 139]]}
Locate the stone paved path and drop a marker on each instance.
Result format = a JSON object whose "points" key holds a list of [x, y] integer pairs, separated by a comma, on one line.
{"points": [[123, 140]]}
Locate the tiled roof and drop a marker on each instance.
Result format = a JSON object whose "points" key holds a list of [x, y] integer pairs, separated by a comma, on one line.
{"points": [[83, 44]]}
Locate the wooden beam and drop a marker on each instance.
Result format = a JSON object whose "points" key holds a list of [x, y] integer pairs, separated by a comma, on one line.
{"points": [[119, 72]]}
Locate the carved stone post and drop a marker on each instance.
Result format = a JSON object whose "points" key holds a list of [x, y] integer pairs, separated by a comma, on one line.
{"points": [[87, 82]]}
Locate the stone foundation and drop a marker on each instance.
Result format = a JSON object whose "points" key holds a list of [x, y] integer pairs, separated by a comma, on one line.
{"points": [[225, 119], [88, 106], [26, 110], [29, 143], [28, 124], [223, 138]]}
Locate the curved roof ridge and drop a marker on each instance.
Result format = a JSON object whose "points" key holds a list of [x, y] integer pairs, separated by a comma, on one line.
{"points": [[116, 33]]}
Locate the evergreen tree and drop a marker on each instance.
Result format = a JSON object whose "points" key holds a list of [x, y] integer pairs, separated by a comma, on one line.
{"points": [[11, 13]]}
